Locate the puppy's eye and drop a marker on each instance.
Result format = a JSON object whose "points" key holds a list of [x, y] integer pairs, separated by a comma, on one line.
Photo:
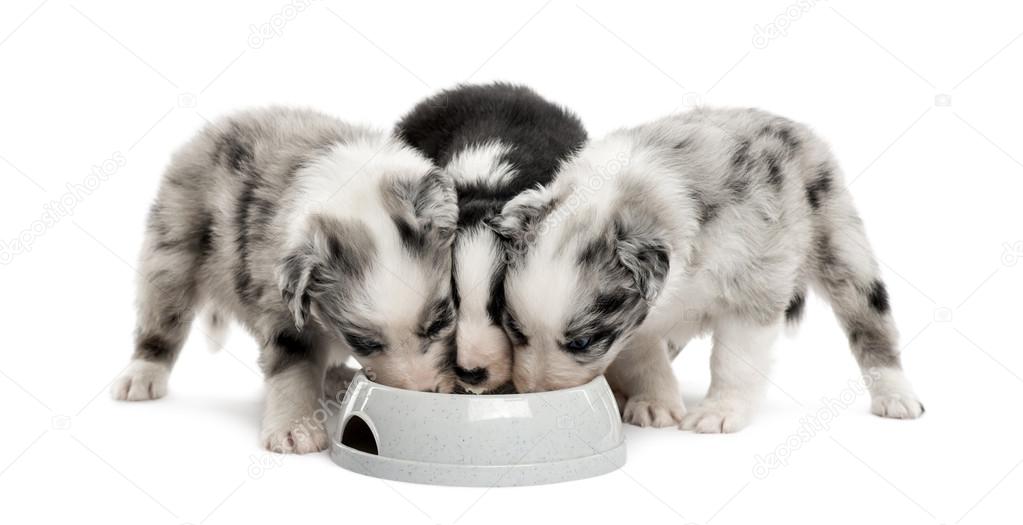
{"points": [[362, 345], [579, 344]]}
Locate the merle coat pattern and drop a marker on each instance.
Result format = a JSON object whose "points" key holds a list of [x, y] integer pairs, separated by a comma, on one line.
{"points": [[320, 238], [717, 220]]}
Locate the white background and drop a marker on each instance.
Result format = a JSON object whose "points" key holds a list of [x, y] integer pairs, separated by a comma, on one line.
{"points": [[921, 101]]}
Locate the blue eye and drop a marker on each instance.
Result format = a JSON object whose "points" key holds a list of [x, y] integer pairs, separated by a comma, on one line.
{"points": [[578, 345]]}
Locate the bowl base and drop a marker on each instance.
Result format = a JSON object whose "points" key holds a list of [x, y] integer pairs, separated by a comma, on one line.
{"points": [[477, 475]]}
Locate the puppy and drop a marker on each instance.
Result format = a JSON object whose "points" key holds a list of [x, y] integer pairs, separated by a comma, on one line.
{"points": [[321, 238], [495, 140], [712, 221]]}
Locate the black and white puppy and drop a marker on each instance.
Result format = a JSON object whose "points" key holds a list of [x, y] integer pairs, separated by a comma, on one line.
{"points": [[321, 238], [714, 220], [495, 141]]}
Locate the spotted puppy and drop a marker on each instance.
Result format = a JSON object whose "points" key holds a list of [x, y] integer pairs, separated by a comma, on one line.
{"points": [[711, 221], [321, 238], [496, 141]]}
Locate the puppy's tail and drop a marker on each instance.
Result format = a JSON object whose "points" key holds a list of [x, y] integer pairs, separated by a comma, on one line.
{"points": [[215, 326]]}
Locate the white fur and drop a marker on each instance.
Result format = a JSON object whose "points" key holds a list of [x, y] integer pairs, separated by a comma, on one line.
{"points": [[480, 163], [892, 395], [647, 384], [288, 422], [739, 366], [140, 381]]}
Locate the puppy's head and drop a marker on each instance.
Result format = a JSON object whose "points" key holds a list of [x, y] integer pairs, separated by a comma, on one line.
{"points": [[483, 362], [586, 264], [373, 268]]}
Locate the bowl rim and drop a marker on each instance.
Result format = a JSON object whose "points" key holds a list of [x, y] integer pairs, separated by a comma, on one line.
{"points": [[593, 383]]}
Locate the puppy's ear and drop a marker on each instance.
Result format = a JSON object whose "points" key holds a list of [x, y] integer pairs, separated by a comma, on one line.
{"points": [[522, 216], [425, 211], [643, 251], [324, 265]]}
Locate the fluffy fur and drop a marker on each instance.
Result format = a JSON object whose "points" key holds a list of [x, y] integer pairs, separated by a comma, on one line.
{"points": [[321, 238], [712, 221], [496, 141]]}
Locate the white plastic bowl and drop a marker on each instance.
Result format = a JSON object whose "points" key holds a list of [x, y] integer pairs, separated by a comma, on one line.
{"points": [[479, 440]]}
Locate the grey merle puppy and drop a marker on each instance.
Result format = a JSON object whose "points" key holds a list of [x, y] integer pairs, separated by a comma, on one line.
{"points": [[712, 221], [321, 238], [496, 141]]}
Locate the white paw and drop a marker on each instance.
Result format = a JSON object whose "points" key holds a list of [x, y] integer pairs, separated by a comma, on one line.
{"points": [[897, 406], [142, 380], [645, 412], [716, 417], [296, 438]]}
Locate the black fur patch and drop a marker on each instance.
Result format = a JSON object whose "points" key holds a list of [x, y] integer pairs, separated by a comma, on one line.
{"points": [[738, 182], [783, 133], [154, 348], [878, 297], [234, 150], [288, 349], [471, 377], [774, 176], [411, 237], [496, 301], [242, 276], [794, 311], [819, 188], [206, 236], [540, 135], [707, 210], [611, 303], [252, 212], [596, 252], [707, 213]]}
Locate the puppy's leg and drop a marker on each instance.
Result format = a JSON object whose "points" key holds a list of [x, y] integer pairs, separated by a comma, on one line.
{"points": [[848, 274], [642, 376], [294, 366], [166, 303], [868, 323], [739, 364]]}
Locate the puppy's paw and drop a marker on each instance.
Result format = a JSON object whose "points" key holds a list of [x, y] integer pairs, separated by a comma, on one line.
{"points": [[142, 380], [646, 412], [897, 406], [297, 438], [716, 417]]}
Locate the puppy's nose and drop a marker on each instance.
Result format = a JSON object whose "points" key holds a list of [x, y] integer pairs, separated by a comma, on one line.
{"points": [[471, 377]]}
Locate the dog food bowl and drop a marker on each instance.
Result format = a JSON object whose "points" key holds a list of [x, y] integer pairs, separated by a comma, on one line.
{"points": [[479, 440]]}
